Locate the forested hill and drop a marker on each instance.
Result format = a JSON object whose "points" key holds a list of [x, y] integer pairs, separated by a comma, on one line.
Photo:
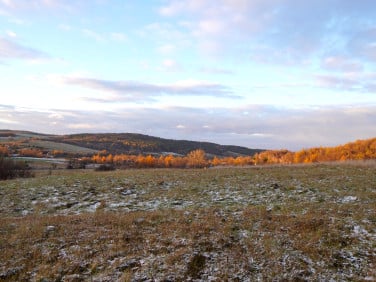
{"points": [[25, 143], [31, 144], [131, 143]]}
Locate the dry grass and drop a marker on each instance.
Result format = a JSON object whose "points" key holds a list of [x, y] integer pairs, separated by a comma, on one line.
{"points": [[308, 223]]}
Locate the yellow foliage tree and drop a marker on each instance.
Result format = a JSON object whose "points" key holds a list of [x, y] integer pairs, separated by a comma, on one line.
{"points": [[196, 159]]}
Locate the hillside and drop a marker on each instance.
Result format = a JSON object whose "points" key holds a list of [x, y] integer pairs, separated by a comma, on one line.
{"points": [[112, 143], [130, 143], [358, 150]]}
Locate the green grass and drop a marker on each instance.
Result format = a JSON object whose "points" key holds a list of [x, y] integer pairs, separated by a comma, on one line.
{"points": [[292, 223]]}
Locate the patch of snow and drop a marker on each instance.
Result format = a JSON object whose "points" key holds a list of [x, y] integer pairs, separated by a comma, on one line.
{"points": [[359, 230], [25, 212], [348, 199], [93, 207], [117, 205]]}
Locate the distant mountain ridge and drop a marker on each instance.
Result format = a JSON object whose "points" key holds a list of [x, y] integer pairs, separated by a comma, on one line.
{"points": [[132, 143], [118, 143]]}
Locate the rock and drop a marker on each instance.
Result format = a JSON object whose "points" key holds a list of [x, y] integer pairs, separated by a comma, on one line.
{"points": [[126, 192], [139, 220], [25, 212], [132, 263], [74, 278], [71, 204], [275, 186], [6, 275], [177, 203], [50, 228], [348, 199]]}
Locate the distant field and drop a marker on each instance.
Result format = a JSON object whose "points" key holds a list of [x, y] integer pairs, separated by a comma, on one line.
{"points": [[44, 163], [67, 148], [277, 223], [31, 139], [15, 134]]}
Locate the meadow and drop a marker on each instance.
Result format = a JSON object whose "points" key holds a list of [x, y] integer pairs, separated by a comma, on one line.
{"points": [[312, 222]]}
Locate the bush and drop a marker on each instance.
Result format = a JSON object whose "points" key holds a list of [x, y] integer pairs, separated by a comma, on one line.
{"points": [[76, 164], [11, 169], [105, 167]]}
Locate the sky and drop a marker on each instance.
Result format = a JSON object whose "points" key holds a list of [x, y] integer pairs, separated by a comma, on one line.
{"points": [[270, 74]]}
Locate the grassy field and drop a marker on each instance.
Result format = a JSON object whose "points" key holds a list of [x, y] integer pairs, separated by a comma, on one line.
{"points": [[67, 148], [281, 223]]}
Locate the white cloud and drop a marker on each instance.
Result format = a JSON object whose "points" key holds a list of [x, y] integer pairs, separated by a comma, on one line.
{"points": [[166, 49], [166, 32], [216, 25], [65, 27], [338, 63], [278, 31], [92, 34], [11, 34], [210, 27], [39, 4], [141, 91], [216, 70], [118, 36], [7, 121], [171, 65], [9, 49], [81, 126], [348, 81], [8, 3], [59, 116]]}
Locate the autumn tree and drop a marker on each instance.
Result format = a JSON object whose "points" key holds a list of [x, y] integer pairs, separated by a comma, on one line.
{"points": [[179, 162], [215, 161], [168, 160], [4, 151], [196, 159], [31, 152]]}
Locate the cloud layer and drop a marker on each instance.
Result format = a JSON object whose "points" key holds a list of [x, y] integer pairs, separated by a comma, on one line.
{"points": [[9, 49], [259, 73], [253, 126], [134, 91]]}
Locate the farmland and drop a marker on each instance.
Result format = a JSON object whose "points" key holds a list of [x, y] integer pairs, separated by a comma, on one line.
{"points": [[297, 222]]}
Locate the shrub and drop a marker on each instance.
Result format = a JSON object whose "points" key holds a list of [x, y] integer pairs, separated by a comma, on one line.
{"points": [[11, 169], [196, 265], [76, 164], [105, 167]]}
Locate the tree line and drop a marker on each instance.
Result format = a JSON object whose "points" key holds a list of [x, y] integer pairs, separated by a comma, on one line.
{"points": [[194, 159], [358, 150]]}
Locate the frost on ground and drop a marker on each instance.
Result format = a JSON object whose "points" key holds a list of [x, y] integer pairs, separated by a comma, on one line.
{"points": [[303, 223]]}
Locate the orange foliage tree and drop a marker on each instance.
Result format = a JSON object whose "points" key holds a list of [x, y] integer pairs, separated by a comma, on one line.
{"points": [[4, 151], [27, 152], [196, 159], [358, 150], [361, 149]]}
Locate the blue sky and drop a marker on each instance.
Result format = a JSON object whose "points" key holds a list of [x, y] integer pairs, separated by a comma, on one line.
{"points": [[257, 73]]}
